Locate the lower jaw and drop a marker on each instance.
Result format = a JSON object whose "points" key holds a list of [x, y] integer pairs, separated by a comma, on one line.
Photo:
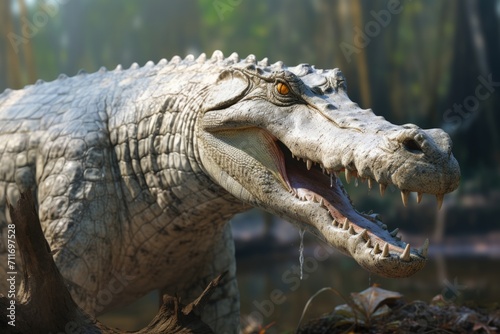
{"points": [[362, 237]]}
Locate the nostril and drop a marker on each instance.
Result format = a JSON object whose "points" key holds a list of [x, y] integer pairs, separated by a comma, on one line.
{"points": [[412, 145]]}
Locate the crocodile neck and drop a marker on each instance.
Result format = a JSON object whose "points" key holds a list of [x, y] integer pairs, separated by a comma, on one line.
{"points": [[162, 181]]}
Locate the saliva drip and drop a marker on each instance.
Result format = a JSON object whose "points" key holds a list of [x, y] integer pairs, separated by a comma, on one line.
{"points": [[301, 252]]}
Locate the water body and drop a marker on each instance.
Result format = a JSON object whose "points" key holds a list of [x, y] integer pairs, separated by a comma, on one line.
{"points": [[271, 289], [460, 279]]}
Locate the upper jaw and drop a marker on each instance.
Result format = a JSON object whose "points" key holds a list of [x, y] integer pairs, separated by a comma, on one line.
{"points": [[385, 159]]}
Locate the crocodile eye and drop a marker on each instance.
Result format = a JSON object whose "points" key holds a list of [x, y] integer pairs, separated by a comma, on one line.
{"points": [[282, 88]]}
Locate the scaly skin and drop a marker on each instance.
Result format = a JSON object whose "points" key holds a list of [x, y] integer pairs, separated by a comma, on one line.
{"points": [[137, 172]]}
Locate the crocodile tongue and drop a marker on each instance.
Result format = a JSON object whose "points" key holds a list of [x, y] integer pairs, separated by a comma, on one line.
{"points": [[363, 237]]}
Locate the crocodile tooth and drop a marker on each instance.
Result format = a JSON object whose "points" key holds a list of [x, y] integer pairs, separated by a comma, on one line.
{"points": [[298, 158], [369, 184], [346, 224], [331, 180], [424, 249], [376, 249], [309, 164], [395, 232], [405, 256], [335, 223], [293, 156], [419, 197], [321, 202], [347, 176], [385, 250], [382, 188], [364, 234], [404, 197], [368, 243], [351, 230], [440, 199]]}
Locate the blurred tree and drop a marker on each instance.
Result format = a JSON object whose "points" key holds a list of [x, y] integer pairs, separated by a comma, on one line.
{"points": [[10, 59], [412, 70], [29, 62]]}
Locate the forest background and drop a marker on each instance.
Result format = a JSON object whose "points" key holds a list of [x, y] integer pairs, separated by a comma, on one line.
{"points": [[432, 63]]}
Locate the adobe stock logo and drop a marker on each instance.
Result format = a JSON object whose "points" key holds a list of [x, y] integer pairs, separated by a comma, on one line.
{"points": [[30, 27], [291, 278], [372, 29], [224, 6], [455, 116]]}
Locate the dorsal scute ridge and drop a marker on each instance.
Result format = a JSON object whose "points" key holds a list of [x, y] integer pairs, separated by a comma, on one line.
{"points": [[262, 67], [302, 69], [217, 56], [277, 66], [251, 59], [232, 59], [175, 60], [201, 58]]}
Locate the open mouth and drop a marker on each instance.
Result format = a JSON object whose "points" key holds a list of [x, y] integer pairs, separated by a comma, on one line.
{"points": [[317, 196], [362, 236]]}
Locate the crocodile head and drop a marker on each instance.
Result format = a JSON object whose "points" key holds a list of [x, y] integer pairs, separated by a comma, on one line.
{"points": [[278, 137]]}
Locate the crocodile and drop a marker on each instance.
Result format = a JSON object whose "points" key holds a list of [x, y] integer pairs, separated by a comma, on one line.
{"points": [[136, 172]]}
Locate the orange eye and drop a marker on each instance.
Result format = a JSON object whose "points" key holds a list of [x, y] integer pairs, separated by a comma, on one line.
{"points": [[282, 88]]}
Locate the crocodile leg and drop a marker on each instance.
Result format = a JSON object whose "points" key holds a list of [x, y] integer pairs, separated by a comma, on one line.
{"points": [[78, 212], [222, 312]]}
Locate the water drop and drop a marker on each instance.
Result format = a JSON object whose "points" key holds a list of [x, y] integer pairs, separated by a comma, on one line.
{"points": [[301, 252]]}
